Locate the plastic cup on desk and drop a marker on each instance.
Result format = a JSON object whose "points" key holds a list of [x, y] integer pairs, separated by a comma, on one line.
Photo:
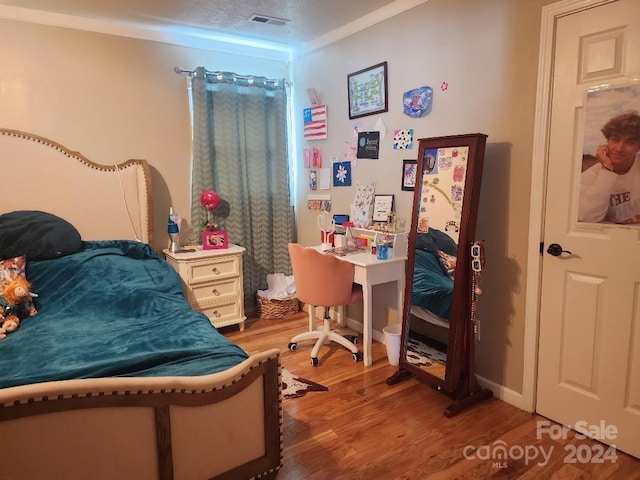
{"points": [[382, 252]]}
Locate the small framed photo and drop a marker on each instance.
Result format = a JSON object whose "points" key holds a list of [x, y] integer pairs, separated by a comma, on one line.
{"points": [[367, 91], [215, 239], [382, 207], [409, 168]]}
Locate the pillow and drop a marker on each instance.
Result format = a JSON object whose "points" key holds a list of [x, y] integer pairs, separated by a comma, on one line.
{"points": [[448, 263], [38, 235], [435, 239], [13, 268]]}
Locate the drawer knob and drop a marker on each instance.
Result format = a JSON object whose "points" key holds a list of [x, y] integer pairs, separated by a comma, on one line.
{"points": [[215, 292], [216, 314], [215, 270]]}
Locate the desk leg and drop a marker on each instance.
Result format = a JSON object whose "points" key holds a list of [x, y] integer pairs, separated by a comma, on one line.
{"points": [[367, 320], [400, 299]]}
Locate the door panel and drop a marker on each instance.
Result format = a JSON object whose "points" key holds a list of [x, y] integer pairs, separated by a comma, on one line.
{"points": [[579, 351]]}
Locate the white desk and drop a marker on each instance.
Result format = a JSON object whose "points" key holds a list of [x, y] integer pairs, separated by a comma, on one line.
{"points": [[370, 271]]}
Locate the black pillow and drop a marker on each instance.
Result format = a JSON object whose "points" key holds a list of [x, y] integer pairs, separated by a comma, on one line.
{"points": [[38, 235], [435, 240]]}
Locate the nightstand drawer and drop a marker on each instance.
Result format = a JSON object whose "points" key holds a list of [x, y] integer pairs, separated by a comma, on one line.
{"points": [[217, 291], [214, 270], [221, 314]]}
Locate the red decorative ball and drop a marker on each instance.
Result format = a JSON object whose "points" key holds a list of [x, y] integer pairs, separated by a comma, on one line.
{"points": [[209, 199]]}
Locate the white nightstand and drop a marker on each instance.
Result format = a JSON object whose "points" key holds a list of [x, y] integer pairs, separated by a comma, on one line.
{"points": [[212, 281]]}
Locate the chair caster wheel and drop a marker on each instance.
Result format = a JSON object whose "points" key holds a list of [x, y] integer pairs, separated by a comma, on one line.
{"points": [[356, 357], [354, 339], [314, 361], [293, 346]]}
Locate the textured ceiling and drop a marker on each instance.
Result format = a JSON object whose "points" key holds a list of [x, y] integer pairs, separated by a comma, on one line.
{"points": [[308, 19]]}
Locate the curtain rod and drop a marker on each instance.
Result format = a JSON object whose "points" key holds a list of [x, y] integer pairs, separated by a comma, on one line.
{"points": [[189, 73]]}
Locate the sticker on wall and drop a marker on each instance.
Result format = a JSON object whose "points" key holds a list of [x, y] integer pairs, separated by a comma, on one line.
{"points": [[316, 157], [342, 174], [315, 122], [444, 86], [357, 128], [417, 102], [306, 158], [323, 205], [403, 139], [368, 145], [325, 178], [349, 152], [381, 127], [313, 180], [319, 202]]}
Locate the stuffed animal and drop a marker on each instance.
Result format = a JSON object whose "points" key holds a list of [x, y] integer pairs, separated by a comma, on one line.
{"points": [[14, 304]]}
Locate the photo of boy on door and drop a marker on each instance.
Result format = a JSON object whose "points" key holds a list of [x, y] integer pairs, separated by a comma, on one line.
{"points": [[610, 178]]}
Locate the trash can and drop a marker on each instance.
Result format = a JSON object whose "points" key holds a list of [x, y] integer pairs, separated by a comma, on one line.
{"points": [[392, 334]]}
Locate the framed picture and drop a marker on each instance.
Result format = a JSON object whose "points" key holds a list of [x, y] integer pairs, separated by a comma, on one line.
{"points": [[382, 207], [215, 239], [409, 168], [367, 90]]}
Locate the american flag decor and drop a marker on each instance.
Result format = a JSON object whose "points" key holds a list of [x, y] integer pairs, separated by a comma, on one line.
{"points": [[315, 122]]}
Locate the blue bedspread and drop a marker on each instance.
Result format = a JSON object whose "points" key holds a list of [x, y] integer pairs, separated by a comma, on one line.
{"points": [[431, 288], [113, 309]]}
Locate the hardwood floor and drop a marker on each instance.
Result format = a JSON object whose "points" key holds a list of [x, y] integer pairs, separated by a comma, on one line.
{"points": [[364, 429]]}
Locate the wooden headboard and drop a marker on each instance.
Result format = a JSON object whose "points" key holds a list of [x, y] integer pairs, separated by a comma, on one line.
{"points": [[103, 202]]}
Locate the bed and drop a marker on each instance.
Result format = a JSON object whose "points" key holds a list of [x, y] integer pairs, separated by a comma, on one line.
{"points": [[115, 376]]}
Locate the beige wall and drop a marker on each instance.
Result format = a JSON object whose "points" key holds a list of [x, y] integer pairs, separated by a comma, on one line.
{"points": [[114, 98], [487, 53], [111, 98]]}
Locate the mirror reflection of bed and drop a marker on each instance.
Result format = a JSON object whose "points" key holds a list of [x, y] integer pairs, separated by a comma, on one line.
{"points": [[437, 229], [431, 297]]}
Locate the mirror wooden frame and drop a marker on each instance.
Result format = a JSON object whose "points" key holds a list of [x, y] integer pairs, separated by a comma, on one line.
{"points": [[459, 379]]}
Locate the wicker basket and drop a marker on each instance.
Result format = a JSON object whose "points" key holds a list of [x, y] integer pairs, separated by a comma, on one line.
{"points": [[275, 308]]}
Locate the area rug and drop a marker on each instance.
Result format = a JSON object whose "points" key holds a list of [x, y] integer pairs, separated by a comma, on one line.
{"points": [[422, 355], [295, 387]]}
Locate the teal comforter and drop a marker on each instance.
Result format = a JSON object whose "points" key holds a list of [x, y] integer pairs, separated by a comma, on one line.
{"points": [[113, 309]]}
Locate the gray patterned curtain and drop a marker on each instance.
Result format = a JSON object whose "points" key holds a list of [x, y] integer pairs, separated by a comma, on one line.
{"points": [[240, 150]]}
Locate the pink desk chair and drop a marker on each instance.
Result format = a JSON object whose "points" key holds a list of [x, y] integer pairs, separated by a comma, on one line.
{"points": [[322, 280]]}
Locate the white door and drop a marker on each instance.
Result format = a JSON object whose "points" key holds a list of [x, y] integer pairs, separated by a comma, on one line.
{"points": [[589, 338]]}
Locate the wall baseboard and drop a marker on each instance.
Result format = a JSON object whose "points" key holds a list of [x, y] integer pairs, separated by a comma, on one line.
{"points": [[503, 393]]}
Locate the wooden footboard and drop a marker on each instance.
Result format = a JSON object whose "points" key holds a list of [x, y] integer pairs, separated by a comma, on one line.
{"points": [[224, 425]]}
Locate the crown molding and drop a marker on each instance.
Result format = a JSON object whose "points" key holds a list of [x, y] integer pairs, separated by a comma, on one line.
{"points": [[375, 17], [190, 38]]}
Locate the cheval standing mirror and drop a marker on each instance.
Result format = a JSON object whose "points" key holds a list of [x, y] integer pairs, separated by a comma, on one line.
{"points": [[437, 331]]}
